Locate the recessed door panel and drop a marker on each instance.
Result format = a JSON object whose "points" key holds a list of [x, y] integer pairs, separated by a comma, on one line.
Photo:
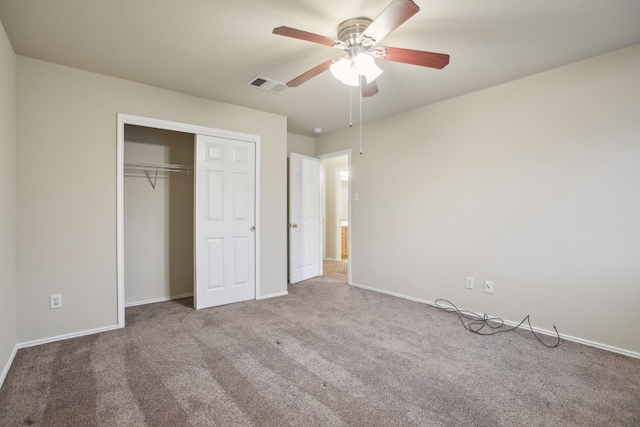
{"points": [[241, 254], [216, 195], [215, 257], [241, 196], [214, 153]]}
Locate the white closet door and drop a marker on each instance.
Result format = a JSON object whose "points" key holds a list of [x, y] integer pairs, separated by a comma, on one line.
{"points": [[305, 229], [224, 221]]}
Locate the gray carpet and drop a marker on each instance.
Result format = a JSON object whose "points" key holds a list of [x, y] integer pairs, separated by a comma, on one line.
{"points": [[325, 355]]}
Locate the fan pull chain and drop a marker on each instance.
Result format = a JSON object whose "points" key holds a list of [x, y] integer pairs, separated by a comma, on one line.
{"points": [[350, 107], [360, 121]]}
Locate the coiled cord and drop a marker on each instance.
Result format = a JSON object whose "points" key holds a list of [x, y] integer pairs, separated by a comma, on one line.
{"points": [[485, 325]]}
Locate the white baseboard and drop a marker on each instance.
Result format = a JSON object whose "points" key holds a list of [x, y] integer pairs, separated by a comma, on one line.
{"points": [[33, 343], [511, 323], [7, 366], [163, 299], [66, 336], [277, 294], [259, 297], [110, 328]]}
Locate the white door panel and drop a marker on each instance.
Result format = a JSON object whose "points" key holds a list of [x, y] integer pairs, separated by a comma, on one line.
{"points": [[224, 221], [305, 237]]}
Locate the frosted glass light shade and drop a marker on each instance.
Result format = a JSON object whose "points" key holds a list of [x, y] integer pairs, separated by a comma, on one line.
{"points": [[349, 71], [372, 73], [342, 70]]}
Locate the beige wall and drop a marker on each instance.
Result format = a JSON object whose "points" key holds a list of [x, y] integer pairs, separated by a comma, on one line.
{"points": [[533, 184], [299, 144], [158, 217], [66, 156], [8, 338]]}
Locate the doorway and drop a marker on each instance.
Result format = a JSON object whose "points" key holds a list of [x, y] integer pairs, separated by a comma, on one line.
{"points": [[337, 209]]}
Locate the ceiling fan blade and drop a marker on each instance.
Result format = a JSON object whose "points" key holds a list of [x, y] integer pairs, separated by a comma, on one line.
{"points": [[311, 73], [303, 35], [415, 57], [391, 18], [367, 89]]}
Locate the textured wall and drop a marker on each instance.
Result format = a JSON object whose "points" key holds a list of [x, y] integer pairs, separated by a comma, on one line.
{"points": [[300, 144], [67, 121], [532, 184], [7, 202]]}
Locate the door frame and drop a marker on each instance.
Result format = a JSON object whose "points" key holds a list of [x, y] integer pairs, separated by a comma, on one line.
{"points": [[127, 119], [331, 155]]}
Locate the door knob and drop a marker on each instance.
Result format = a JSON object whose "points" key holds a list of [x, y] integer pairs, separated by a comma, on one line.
{"points": [[293, 225], [253, 228]]}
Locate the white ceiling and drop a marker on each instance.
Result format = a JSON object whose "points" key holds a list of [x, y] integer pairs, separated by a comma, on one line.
{"points": [[212, 48]]}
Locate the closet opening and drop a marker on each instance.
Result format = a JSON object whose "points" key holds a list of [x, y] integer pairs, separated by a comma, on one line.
{"points": [[191, 214], [158, 187]]}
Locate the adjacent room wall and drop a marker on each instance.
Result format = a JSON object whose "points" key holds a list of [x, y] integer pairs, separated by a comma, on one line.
{"points": [[330, 167], [8, 338], [158, 217], [533, 184], [66, 229]]}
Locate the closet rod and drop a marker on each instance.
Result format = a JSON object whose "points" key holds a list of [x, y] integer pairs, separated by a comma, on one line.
{"points": [[156, 169], [142, 167]]}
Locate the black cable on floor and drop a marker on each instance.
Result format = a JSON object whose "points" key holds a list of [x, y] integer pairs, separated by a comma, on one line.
{"points": [[494, 325]]}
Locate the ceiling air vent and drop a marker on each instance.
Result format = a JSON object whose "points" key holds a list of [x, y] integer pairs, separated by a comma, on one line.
{"points": [[267, 84]]}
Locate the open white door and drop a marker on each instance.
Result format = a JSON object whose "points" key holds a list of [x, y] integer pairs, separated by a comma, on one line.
{"points": [[224, 221], [305, 231]]}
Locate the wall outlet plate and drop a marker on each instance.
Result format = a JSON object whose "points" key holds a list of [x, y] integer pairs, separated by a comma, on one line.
{"points": [[488, 286], [55, 301], [469, 283]]}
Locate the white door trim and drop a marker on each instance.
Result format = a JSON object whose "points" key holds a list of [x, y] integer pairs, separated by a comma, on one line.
{"points": [[127, 119], [349, 238]]}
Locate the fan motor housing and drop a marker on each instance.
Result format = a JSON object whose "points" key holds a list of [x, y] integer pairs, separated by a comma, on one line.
{"points": [[349, 31]]}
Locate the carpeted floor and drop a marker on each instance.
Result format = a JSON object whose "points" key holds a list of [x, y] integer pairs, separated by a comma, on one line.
{"points": [[327, 354]]}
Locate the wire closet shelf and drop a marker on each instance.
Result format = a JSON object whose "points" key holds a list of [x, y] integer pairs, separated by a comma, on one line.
{"points": [[154, 170]]}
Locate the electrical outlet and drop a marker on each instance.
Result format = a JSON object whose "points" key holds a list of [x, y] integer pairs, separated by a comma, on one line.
{"points": [[488, 286], [55, 301], [469, 283]]}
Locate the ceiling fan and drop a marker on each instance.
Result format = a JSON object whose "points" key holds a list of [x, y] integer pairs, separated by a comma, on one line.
{"points": [[359, 37]]}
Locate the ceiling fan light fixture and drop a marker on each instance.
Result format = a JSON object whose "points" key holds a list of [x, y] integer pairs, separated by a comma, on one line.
{"points": [[362, 61], [373, 74], [343, 70], [365, 65], [360, 36], [349, 70]]}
